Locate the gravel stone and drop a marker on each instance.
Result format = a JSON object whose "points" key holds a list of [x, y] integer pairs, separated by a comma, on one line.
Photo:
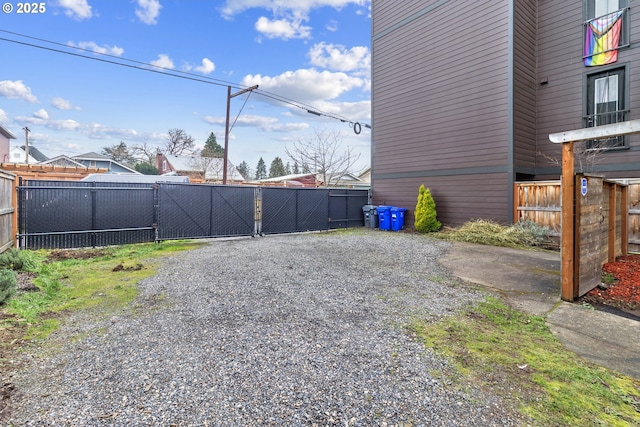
{"points": [[291, 330]]}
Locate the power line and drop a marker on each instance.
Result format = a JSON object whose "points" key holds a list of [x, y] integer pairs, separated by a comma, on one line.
{"points": [[144, 66]]}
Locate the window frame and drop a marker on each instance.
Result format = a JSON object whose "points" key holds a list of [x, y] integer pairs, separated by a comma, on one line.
{"points": [[589, 105], [589, 10]]}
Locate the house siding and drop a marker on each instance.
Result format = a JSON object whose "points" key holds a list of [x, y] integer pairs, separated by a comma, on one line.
{"points": [[524, 86], [441, 105], [561, 101], [465, 95]]}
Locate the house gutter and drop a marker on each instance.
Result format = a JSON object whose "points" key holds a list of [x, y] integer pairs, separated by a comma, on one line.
{"points": [[510, 119]]}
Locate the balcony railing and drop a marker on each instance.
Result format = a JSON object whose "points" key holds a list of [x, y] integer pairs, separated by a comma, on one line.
{"points": [[606, 118]]}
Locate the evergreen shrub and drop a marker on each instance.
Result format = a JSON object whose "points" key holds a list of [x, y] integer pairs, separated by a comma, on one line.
{"points": [[425, 214]]}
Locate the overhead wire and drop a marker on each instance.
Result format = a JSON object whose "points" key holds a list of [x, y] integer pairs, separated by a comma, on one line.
{"points": [[144, 66]]}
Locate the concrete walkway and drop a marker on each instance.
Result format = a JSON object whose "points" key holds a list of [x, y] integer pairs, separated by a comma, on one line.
{"points": [[530, 281]]}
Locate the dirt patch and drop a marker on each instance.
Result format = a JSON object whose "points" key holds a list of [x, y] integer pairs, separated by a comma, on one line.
{"points": [[624, 293], [65, 254]]}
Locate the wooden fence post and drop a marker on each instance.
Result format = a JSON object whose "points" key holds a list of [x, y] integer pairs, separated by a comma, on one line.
{"points": [[568, 222]]}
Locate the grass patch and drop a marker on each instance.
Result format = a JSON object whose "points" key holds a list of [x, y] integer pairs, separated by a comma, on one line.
{"points": [[103, 279], [516, 356]]}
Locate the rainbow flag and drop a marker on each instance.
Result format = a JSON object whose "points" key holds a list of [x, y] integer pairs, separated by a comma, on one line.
{"points": [[601, 39]]}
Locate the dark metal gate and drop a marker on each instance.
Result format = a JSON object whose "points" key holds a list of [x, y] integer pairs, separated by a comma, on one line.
{"points": [[70, 214]]}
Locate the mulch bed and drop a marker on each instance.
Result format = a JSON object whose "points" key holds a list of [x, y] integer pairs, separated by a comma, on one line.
{"points": [[624, 293]]}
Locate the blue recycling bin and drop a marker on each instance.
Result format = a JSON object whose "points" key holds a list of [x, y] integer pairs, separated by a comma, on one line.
{"points": [[397, 218], [384, 217]]}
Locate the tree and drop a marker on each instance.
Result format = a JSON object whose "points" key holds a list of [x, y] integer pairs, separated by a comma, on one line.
{"points": [[120, 153], [296, 168], [277, 168], [287, 169], [179, 143], [261, 169], [425, 214], [146, 168], [243, 168], [324, 155], [212, 148], [145, 153]]}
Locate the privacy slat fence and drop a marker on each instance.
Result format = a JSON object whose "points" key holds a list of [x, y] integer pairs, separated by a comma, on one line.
{"points": [[540, 202], [66, 214]]}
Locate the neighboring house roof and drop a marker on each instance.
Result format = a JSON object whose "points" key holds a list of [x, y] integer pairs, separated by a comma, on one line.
{"points": [[35, 153], [63, 160], [365, 175], [100, 160], [292, 177], [18, 155], [196, 164], [6, 133], [134, 178]]}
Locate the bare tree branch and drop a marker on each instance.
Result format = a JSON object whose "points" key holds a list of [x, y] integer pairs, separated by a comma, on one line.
{"points": [[325, 155]]}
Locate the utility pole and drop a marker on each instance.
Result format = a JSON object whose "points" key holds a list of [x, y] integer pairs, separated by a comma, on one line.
{"points": [[226, 130], [26, 141]]}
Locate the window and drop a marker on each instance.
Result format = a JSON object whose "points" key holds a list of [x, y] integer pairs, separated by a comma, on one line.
{"points": [[595, 9], [606, 104]]}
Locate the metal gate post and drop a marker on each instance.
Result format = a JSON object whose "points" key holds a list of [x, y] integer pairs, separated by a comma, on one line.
{"points": [[257, 213]]}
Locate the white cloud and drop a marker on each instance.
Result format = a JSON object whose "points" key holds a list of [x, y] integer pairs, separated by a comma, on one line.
{"points": [[306, 85], [234, 7], [163, 61], [148, 11], [3, 116], [283, 28], [105, 49], [207, 66], [265, 123], [332, 26], [16, 90], [76, 9], [63, 104], [41, 114], [339, 58]]}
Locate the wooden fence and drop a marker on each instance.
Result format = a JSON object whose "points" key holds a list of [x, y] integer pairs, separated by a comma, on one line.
{"points": [[7, 209], [540, 202]]}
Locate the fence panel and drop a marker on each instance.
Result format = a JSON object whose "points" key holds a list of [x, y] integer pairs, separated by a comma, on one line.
{"points": [[539, 202], [64, 214], [7, 209], [345, 207], [195, 211], [289, 210], [634, 216]]}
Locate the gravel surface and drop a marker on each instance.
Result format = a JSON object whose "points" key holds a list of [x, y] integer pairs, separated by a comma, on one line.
{"points": [[292, 330]]}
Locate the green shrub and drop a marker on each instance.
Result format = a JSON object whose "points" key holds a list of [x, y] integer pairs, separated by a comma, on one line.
{"points": [[425, 214], [11, 260], [8, 282]]}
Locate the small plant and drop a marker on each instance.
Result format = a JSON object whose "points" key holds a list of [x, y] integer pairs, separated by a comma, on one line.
{"points": [[8, 283], [11, 260], [425, 214]]}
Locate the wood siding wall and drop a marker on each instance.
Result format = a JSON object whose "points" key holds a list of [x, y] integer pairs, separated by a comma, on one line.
{"points": [[561, 101], [524, 86], [440, 105]]}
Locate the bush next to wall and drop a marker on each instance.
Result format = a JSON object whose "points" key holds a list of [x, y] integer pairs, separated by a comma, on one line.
{"points": [[425, 214]]}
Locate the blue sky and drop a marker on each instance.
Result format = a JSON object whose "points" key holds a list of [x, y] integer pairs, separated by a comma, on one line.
{"points": [[313, 52]]}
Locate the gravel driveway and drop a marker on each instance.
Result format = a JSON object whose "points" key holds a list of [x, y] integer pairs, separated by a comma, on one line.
{"points": [[290, 330]]}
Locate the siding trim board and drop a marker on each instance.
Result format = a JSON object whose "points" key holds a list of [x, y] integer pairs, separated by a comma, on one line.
{"points": [[444, 172], [510, 106]]}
